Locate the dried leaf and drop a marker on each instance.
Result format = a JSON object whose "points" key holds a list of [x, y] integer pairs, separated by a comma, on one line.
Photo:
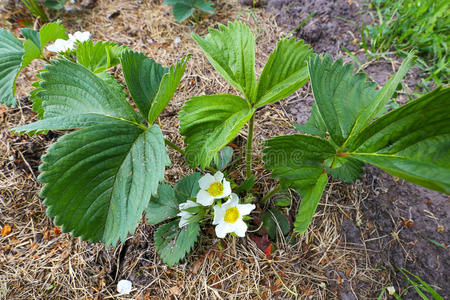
{"points": [[6, 230]]}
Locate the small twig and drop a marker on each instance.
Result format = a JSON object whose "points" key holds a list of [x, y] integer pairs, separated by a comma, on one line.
{"points": [[28, 165]]}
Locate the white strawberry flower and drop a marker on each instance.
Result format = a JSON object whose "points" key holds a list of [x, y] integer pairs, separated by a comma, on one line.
{"points": [[228, 217], [185, 216], [212, 187], [61, 45]]}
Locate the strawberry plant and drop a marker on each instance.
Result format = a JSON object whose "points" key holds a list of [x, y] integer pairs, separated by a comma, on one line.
{"points": [[109, 168]]}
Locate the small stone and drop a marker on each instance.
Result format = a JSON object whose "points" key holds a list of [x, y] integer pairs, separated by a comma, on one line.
{"points": [[124, 287], [391, 290]]}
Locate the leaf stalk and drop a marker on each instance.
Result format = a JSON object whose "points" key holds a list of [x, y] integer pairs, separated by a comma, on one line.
{"points": [[248, 154], [174, 147], [270, 193]]}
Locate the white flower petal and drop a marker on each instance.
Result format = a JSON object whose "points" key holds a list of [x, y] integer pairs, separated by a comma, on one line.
{"points": [[204, 198], [206, 181], [239, 227], [69, 46], [219, 214], [222, 229], [80, 36], [187, 204], [124, 287], [245, 209], [218, 176], [183, 222], [234, 200], [59, 45], [226, 188]]}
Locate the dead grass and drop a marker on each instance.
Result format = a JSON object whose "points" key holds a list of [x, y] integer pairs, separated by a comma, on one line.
{"points": [[38, 262]]}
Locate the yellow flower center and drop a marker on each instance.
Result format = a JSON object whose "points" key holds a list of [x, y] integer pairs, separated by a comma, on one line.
{"points": [[215, 189], [231, 215]]}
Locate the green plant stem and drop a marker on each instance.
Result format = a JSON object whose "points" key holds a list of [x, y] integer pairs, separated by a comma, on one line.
{"points": [[248, 154], [270, 193], [174, 147]]}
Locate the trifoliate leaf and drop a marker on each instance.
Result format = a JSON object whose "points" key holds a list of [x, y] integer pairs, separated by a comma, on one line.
{"points": [[285, 71], [173, 243], [11, 53], [100, 56], [98, 180], [209, 123], [231, 51]]}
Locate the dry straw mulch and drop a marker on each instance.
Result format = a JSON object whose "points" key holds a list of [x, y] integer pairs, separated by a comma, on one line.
{"points": [[37, 261]]}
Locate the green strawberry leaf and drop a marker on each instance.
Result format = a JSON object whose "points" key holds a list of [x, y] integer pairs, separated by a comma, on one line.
{"points": [[340, 95], [274, 221], [297, 160], [143, 77], [32, 35], [168, 86], [206, 6], [209, 123], [310, 200], [173, 243], [11, 53], [99, 179], [231, 51], [162, 206], [315, 124], [349, 171], [223, 158], [182, 11], [100, 56], [285, 71], [51, 32], [411, 142], [67, 88], [187, 187]]}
